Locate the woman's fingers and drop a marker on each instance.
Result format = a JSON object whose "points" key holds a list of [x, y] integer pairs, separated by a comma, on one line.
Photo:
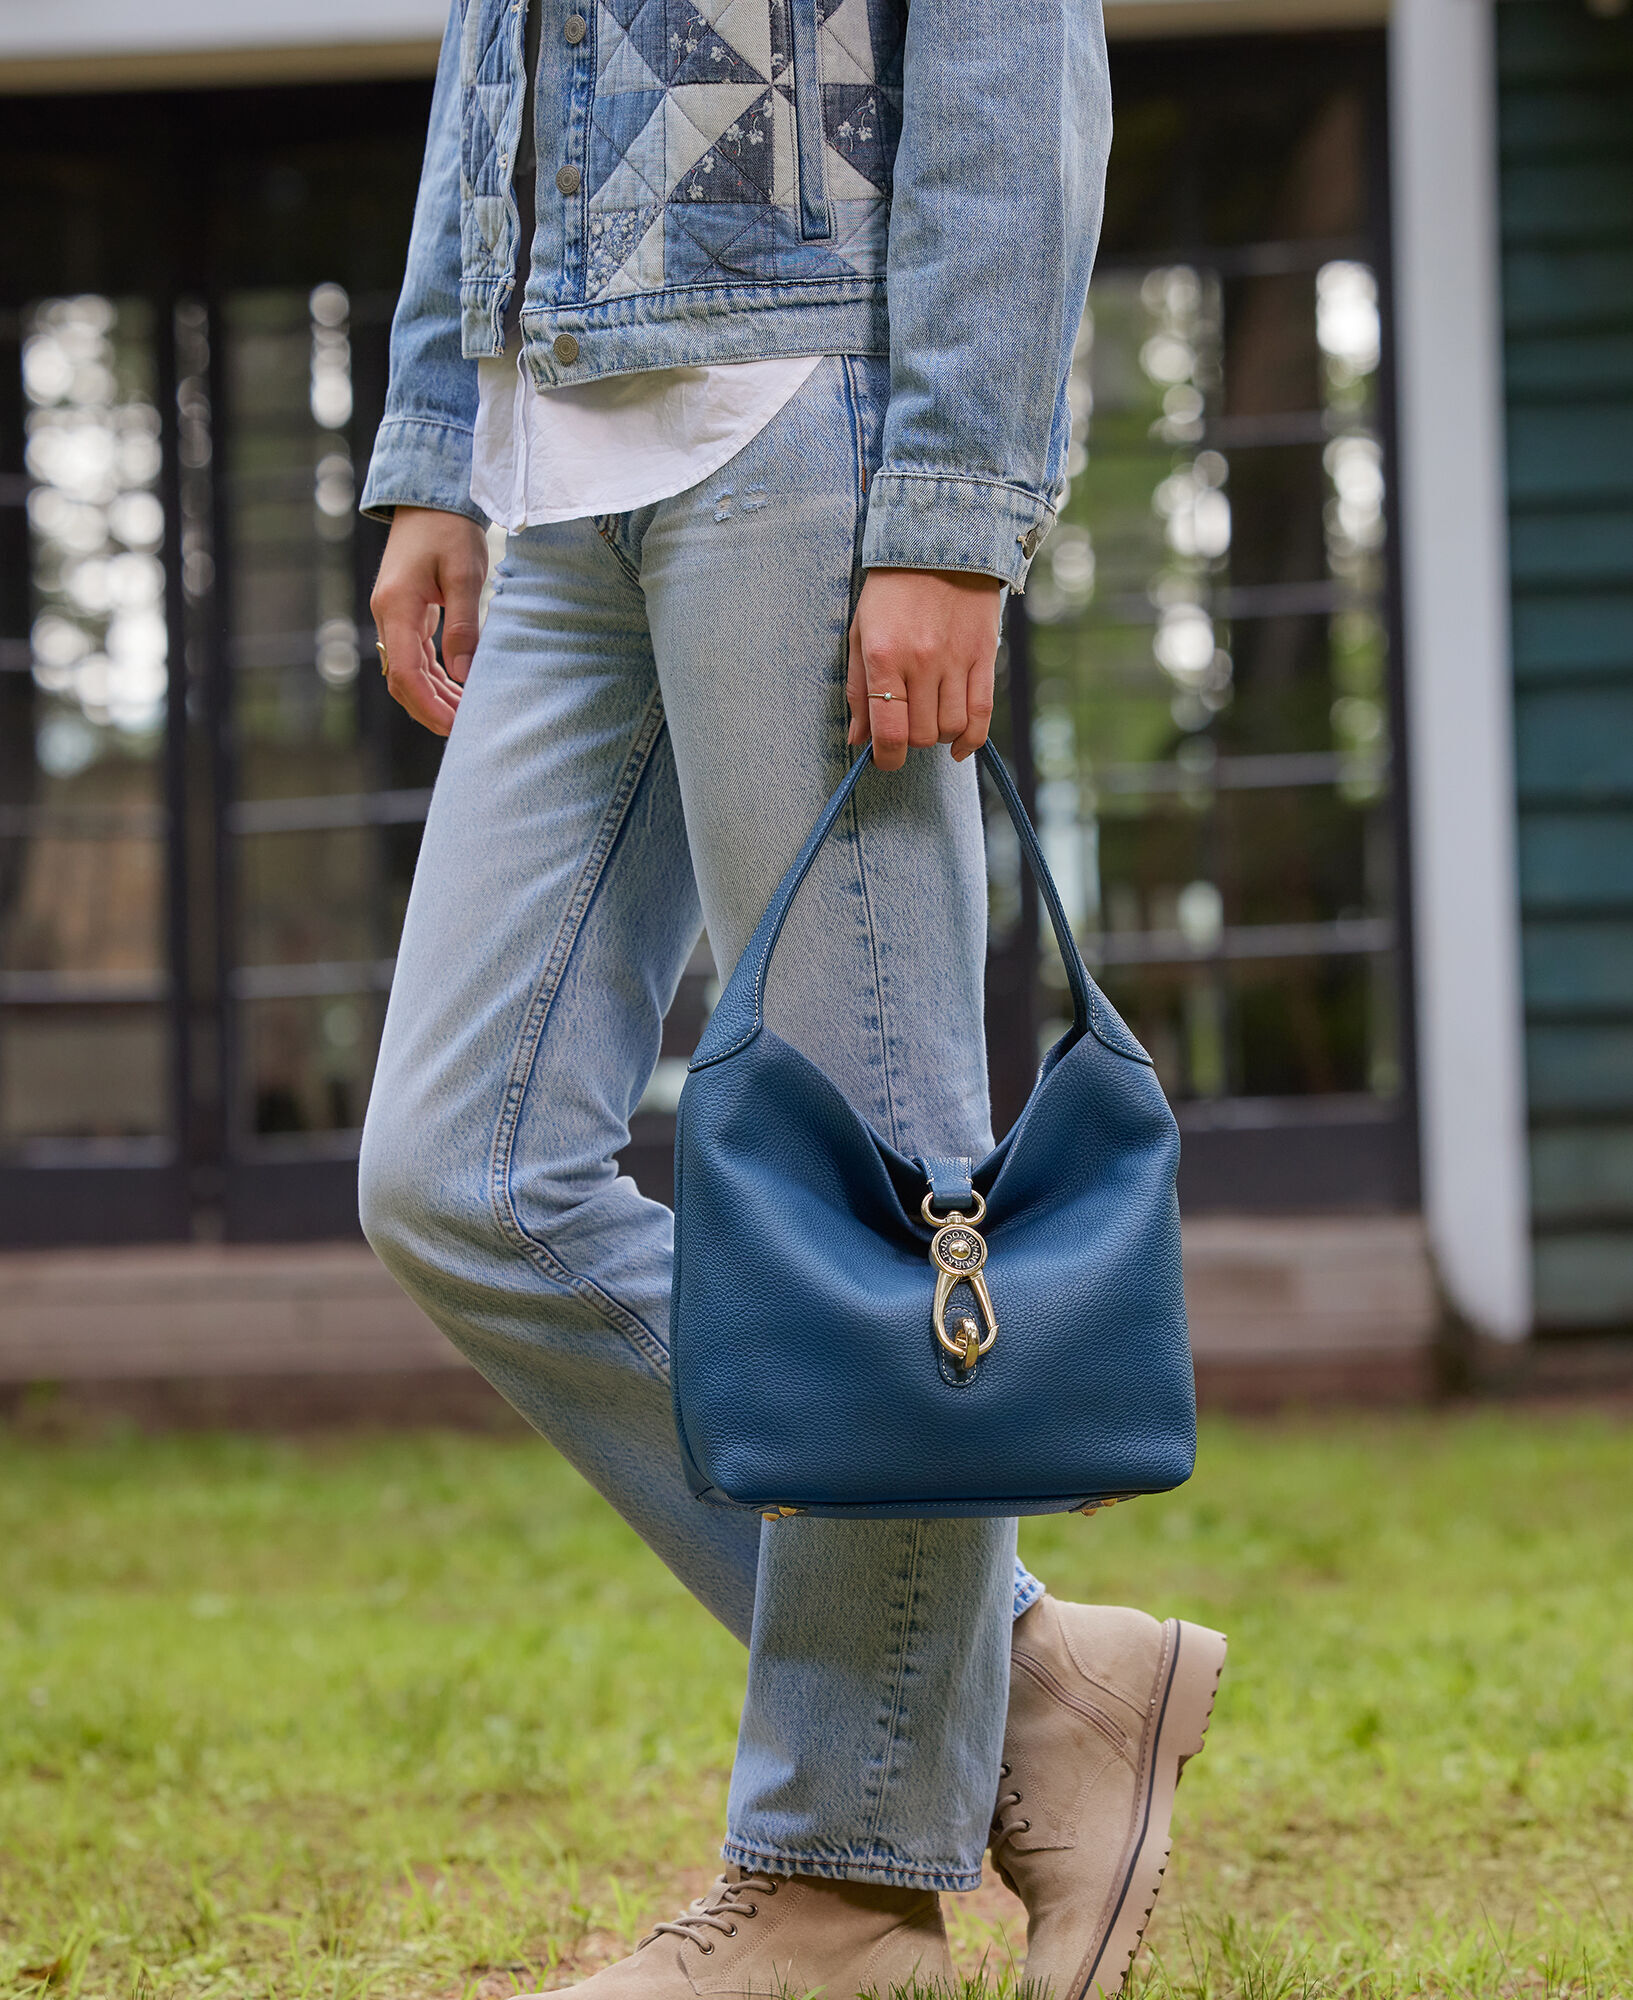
{"points": [[889, 715], [435, 565], [977, 711], [431, 698], [462, 569], [856, 690], [902, 692], [924, 703], [877, 694], [925, 641], [952, 701], [414, 675]]}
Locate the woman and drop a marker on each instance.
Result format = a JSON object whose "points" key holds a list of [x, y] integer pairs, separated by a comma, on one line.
{"points": [[757, 519]]}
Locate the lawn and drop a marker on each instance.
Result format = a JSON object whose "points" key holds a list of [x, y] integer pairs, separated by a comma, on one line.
{"points": [[414, 1715]]}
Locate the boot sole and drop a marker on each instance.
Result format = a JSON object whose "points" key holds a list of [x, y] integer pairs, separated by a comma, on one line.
{"points": [[1194, 1658]]}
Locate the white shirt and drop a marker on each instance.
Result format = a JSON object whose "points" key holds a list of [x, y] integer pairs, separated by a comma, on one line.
{"points": [[622, 442]]}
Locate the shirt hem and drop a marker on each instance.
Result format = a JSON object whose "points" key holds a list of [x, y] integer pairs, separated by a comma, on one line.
{"points": [[764, 409]]}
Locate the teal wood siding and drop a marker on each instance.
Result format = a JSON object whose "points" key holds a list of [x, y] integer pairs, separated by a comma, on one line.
{"points": [[1566, 125]]}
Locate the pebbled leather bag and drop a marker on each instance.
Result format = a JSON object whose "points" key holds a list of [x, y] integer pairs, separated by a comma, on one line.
{"points": [[856, 1332]]}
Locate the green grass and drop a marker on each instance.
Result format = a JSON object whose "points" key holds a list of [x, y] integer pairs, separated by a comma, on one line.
{"points": [[415, 1715]]}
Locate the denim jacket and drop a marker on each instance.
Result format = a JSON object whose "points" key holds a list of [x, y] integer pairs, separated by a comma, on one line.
{"points": [[728, 180]]}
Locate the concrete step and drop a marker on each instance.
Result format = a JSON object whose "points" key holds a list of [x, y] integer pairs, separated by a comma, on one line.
{"points": [[1282, 1310], [1311, 1309]]}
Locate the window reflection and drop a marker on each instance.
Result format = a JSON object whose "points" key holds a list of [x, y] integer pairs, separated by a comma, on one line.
{"points": [[78, 1081], [315, 833], [311, 1058], [1211, 730], [294, 593], [83, 1038], [99, 636]]}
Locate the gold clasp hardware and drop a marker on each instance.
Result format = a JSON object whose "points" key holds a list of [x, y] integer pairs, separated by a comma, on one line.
{"points": [[959, 1254]]}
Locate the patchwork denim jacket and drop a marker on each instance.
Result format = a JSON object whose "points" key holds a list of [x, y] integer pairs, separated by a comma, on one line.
{"points": [[728, 180]]}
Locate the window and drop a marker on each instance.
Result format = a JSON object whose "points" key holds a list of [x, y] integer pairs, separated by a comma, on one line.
{"points": [[210, 811], [1210, 657]]}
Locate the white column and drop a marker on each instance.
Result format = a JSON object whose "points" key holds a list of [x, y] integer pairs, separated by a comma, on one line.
{"points": [[1460, 709]]}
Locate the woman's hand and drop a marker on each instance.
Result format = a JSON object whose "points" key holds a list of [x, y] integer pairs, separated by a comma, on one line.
{"points": [[433, 560], [928, 639]]}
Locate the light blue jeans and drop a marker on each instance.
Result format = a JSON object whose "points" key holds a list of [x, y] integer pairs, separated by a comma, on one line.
{"points": [[653, 720]]}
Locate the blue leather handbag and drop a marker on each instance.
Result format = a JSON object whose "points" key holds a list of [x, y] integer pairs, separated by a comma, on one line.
{"points": [[856, 1332]]}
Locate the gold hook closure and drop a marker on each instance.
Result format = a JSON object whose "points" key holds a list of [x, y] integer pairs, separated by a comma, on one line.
{"points": [[959, 1254]]}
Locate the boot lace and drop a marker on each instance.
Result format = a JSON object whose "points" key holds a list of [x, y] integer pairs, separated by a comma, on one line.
{"points": [[718, 1910], [1003, 1829]]}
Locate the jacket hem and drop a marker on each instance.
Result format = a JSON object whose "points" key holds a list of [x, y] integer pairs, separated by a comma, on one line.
{"points": [[695, 326]]}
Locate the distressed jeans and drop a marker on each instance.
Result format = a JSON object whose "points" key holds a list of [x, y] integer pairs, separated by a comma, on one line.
{"points": [[653, 720]]}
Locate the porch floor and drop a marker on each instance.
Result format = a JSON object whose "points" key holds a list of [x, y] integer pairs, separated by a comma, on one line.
{"points": [[1285, 1310]]}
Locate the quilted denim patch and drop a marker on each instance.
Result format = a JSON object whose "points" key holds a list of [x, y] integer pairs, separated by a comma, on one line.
{"points": [[694, 145]]}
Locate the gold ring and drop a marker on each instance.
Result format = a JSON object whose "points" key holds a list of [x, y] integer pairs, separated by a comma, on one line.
{"points": [[880, 697], [380, 648]]}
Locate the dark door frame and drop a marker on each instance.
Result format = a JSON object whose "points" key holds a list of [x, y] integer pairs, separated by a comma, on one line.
{"points": [[179, 243], [151, 180]]}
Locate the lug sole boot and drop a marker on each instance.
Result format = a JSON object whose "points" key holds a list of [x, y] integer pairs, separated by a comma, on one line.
{"points": [[1105, 1707], [783, 1937]]}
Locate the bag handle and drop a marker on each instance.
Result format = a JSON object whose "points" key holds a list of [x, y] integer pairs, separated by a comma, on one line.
{"points": [[739, 1014]]}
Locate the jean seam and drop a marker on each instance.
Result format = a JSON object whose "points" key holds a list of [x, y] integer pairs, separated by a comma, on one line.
{"points": [[859, 460], [852, 811], [568, 933], [872, 931], [893, 1714], [762, 965], [603, 527]]}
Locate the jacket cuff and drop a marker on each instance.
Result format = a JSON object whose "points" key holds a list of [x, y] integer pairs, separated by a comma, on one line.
{"points": [[921, 520], [418, 462]]}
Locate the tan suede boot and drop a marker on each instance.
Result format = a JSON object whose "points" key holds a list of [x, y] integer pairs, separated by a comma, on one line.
{"points": [[1105, 1706], [781, 1937]]}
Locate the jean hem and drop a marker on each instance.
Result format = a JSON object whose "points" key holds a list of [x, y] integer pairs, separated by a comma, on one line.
{"points": [[888, 1872]]}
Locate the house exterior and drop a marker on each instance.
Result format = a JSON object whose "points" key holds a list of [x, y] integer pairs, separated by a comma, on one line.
{"points": [[1322, 692], [1565, 152]]}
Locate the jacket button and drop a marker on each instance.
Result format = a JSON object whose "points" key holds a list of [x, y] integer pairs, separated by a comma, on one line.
{"points": [[566, 349], [568, 179], [1030, 540], [575, 28]]}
